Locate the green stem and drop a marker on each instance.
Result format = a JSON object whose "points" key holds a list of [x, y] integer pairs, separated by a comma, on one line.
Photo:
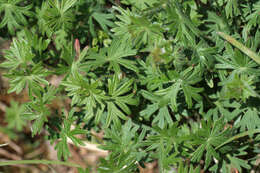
{"points": [[45, 162], [240, 46], [250, 132]]}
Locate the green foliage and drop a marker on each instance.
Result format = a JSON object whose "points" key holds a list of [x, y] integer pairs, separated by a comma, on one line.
{"points": [[96, 101], [124, 144], [14, 14], [37, 110], [23, 71], [160, 104], [238, 87], [135, 28], [188, 169], [119, 99], [14, 116], [208, 137], [250, 120], [102, 19], [114, 56], [57, 15], [68, 133], [171, 81], [140, 5], [165, 143]]}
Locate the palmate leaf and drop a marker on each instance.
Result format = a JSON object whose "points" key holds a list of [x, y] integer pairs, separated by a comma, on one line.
{"points": [[179, 23], [103, 19], [239, 163], [125, 142], [38, 44], [165, 158], [23, 72], [123, 135], [164, 100], [144, 32], [237, 62], [250, 120], [68, 133], [37, 111], [21, 80], [233, 161], [238, 87], [19, 55], [209, 137], [139, 30], [252, 19], [223, 108], [232, 8], [119, 98], [14, 116], [14, 15], [114, 56], [57, 15], [217, 23], [159, 108], [240, 83], [231, 164], [165, 142], [183, 81], [85, 92], [203, 55], [153, 77], [185, 19]]}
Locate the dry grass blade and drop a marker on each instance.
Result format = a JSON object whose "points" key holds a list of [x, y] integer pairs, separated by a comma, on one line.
{"points": [[240, 46], [2, 145], [9, 155], [92, 147]]}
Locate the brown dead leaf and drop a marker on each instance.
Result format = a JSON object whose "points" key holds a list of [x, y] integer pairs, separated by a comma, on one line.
{"points": [[149, 168], [4, 44]]}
